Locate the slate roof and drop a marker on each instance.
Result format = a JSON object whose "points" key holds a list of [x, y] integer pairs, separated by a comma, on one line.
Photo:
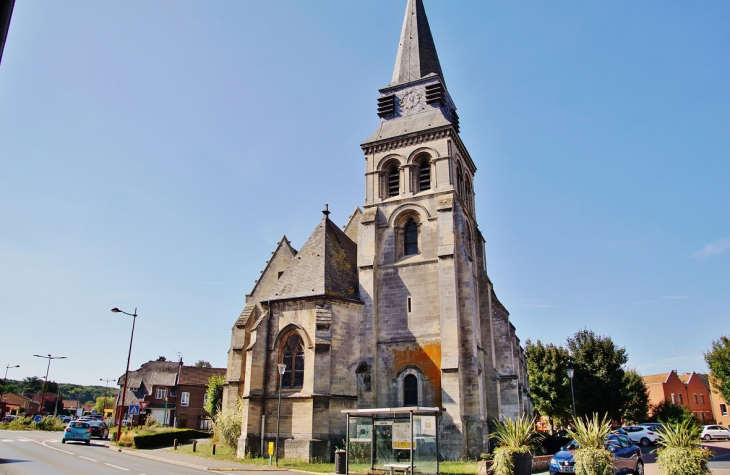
{"points": [[325, 266], [6, 13], [190, 375], [160, 373], [416, 56]]}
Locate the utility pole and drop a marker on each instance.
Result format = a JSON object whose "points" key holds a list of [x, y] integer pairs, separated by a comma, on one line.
{"points": [[106, 394]]}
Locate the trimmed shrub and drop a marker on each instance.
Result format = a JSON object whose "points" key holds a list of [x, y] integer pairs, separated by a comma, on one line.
{"points": [[592, 461], [683, 461], [227, 425], [503, 463], [165, 439]]}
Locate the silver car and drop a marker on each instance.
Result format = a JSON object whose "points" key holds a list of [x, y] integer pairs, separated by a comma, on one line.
{"points": [[715, 432]]}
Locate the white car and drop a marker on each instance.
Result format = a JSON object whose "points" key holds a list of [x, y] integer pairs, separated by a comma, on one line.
{"points": [[715, 432], [642, 435]]}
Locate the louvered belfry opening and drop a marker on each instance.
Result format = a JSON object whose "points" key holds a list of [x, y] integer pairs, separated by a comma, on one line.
{"points": [[393, 181], [424, 175]]}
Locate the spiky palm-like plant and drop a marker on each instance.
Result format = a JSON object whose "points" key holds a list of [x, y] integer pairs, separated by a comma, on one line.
{"points": [[680, 453], [592, 458], [513, 436]]}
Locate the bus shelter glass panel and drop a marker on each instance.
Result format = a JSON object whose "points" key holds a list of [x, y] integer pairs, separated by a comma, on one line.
{"points": [[425, 448], [360, 439]]}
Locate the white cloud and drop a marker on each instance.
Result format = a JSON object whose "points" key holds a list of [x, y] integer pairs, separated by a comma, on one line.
{"points": [[715, 248], [676, 297]]}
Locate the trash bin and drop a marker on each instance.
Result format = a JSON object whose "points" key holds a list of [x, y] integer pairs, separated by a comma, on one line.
{"points": [[340, 461]]}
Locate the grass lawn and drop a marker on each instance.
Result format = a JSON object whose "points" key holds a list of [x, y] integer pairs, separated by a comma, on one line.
{"points": [[205, 449]]}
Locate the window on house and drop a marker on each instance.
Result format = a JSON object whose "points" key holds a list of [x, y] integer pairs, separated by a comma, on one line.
{"points": [[161, 393], [723, 409], [293, 358], [681, 400], [411, 238], [695, 398], [410, 390], [424, 174], [205, 399], [393, 180], [702, 399], [185, 399], [674, 399]]}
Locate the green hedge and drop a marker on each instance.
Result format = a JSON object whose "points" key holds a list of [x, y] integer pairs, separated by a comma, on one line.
{"points": [[165, 439]]}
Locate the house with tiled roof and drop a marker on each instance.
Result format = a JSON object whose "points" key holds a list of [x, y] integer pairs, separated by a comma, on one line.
{"points": [[690, 390], [191, 389], [155, 383]]}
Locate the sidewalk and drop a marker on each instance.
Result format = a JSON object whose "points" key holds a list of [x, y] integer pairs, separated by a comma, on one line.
{"points": [[200, 463]]}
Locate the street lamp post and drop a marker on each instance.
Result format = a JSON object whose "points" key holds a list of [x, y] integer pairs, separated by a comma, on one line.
{"points": [[106, 395], [281, 367], [571, 373], [43, 394], [126, 373], [5, 380]]}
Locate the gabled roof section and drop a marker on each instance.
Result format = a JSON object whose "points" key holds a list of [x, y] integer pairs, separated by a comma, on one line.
{"points": [[416, 56], [326, 266], [353, 224], [283, 246], [656, 378], [193, 376]]}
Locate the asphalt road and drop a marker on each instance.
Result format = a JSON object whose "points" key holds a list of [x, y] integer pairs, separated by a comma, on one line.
{"points": [[41, 453]]}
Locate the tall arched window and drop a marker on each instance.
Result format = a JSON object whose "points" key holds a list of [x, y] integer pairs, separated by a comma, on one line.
{"points": [[393, 180], [410, 390], [424, 174], [292, 355], [410, 241], [459, 185]]}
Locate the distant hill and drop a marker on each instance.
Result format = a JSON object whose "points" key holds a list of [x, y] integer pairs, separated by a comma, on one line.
{"points": [[74, 392]]}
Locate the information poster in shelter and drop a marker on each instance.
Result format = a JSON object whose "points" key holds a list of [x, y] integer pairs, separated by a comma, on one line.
{"points": [[402, 435], [428, 425]]}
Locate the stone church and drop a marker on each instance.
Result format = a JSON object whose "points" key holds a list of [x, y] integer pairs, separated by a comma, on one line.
{"points": [[394, 309]]}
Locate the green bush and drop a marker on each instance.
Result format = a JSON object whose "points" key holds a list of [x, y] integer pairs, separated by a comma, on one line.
{"points": [[592, 461], [27, 423], [227, 425], [164, 439], [683, 461], [504, 463]]}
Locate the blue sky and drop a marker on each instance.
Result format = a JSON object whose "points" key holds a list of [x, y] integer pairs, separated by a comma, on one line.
{"points": [[152, 154]]}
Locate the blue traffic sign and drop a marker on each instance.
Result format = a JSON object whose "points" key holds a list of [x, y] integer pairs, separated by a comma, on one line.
{"points": [[133, 410], [37, 419], [94, 413]]}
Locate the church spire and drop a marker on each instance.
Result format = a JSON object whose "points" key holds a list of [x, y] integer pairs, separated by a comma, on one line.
{"points": [[416, 52]]}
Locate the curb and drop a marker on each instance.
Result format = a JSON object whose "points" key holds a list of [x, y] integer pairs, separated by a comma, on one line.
{"points": [[160, 459]]}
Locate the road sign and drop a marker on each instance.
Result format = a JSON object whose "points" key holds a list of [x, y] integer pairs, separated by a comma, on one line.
{"points": [[37, 419], [133, 410], [94, 413], [143, 405]]}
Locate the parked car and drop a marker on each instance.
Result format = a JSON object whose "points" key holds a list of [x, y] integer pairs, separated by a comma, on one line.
{"points": [[626, 457], [99, 429], [642, 434], [10, 417], [654, 425], [65, 419], [553, 443], [715, 432], [77, 431]]}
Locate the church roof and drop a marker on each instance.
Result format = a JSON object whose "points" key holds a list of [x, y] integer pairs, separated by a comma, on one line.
{"points": [[326, 266], [416, 56]]}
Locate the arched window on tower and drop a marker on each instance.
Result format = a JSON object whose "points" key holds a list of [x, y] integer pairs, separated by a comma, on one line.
{"points": [[424, 173], [410, 241], [459, 185], [292, 355], [393, 180], [410, 390]]}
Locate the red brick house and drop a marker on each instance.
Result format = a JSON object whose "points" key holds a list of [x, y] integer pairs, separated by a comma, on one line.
{"points": [[18, 404], [690, 390], [191, 390]]}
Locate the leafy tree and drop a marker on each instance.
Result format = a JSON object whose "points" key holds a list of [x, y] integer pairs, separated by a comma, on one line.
{"points": [[202, 364], [51, 400], [668, 413], [599, 374], [31, 385], [718, 360], [636, 397], [103, 402], [549, 384], [161, 358], [215, 394]]}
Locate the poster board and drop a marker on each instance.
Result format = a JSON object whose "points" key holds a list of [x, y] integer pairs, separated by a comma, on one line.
{"points": [[402, 435]]}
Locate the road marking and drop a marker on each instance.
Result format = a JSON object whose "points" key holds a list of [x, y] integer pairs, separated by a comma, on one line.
{"points": [[116, 466], [24, 440], [7, 440], [52, 448], [87, 458]]}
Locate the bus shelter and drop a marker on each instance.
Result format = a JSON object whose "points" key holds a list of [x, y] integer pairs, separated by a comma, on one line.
{"points": [[402, 439]]}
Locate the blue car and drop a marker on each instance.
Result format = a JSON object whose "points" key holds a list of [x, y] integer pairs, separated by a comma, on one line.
{"points": [[78, 431], [626, 457]]}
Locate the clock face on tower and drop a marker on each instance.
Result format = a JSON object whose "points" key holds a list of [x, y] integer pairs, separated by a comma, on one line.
{"points": [[410, 100]]}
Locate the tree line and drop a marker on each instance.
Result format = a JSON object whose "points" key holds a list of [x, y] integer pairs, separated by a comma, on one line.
{"points": [[75, 392]]}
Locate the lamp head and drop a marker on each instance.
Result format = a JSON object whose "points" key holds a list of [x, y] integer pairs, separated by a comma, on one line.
{"points": [[116, 310], [281, 367]]}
